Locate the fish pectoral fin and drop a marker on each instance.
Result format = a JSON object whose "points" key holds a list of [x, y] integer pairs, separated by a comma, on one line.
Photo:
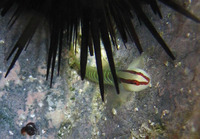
{"points": [[138, 62]]}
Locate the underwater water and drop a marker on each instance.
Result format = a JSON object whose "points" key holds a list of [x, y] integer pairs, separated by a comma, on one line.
{"points": [[73, 108]]}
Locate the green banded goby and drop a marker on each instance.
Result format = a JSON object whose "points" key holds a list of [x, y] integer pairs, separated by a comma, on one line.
{"points": [[132, 79]]}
